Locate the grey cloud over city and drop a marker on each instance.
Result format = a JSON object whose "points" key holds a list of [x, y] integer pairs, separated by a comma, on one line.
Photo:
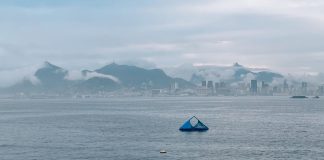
{"points": [[283, 35]]}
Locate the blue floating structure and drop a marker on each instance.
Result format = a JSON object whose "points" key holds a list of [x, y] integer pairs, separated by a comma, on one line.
{"points": [[189, 127]]}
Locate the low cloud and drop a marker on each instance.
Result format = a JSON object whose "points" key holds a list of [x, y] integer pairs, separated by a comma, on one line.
{"points": [[77, 75], [95, 74], [11, 77]]}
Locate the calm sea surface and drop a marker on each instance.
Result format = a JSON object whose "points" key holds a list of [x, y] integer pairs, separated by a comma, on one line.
{"points": [[138, 128]]}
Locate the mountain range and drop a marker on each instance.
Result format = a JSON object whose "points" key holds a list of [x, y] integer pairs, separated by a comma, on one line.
{"points": [[229, 74], [112, 77]]}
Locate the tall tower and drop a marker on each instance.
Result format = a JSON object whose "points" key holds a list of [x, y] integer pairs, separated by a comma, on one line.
{"points": [[204, 84], [254, 87], [285, 86], [210, 87], [304, 88]]}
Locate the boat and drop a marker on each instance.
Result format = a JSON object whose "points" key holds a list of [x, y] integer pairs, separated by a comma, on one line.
{"points": [[299, 97], [316, 97], [197, 126], [163, 151]]}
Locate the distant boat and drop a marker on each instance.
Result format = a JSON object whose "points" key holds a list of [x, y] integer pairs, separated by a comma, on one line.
{"points": [[299, 97], [189, 127], [163, 151], [316, 97]]}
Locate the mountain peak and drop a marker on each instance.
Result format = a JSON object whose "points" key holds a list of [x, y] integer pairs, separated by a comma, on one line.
{"points": [[50, 65], [51, 76], [236, 64], [113, 64], [47, 63], [139, 78]]}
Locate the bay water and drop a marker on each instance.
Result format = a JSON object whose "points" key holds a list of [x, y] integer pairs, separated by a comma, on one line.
{"points": [[138, 128]]}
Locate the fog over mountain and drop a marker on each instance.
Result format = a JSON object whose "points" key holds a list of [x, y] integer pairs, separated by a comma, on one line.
{"points": [[52, 78], [237, 73]]}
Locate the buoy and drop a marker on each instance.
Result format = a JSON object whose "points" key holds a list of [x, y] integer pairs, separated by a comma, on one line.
{"points": [[163, 151]]}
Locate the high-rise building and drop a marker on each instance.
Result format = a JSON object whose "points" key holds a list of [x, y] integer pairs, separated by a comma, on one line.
{"points": [[264, 88], [204, 84], [285, 86], [174, 87], [202, 90], [263, 85], [321, 90], [254, 87], [210, 87], [304, 88], [217, 85]]}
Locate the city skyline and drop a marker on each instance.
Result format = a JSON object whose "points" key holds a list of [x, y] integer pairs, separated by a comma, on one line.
{"points": [[125, 80]]}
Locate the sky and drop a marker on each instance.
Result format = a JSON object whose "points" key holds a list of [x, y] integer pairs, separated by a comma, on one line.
{"points": [[284, 35]]}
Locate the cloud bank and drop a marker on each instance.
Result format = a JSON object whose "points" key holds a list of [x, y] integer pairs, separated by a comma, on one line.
{"points": [[285, 35]]}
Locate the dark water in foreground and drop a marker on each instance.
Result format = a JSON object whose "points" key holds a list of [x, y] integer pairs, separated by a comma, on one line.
{"points": [[138, 128]]}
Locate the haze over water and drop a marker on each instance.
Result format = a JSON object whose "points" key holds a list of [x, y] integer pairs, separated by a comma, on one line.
{"points": [[138, 128]]}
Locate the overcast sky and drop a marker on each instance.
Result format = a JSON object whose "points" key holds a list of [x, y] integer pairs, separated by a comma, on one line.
{"points": [[284, 35]]}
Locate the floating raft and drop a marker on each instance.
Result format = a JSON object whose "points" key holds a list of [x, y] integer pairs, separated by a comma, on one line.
{"points": [[163, 151], [189, 127]]}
